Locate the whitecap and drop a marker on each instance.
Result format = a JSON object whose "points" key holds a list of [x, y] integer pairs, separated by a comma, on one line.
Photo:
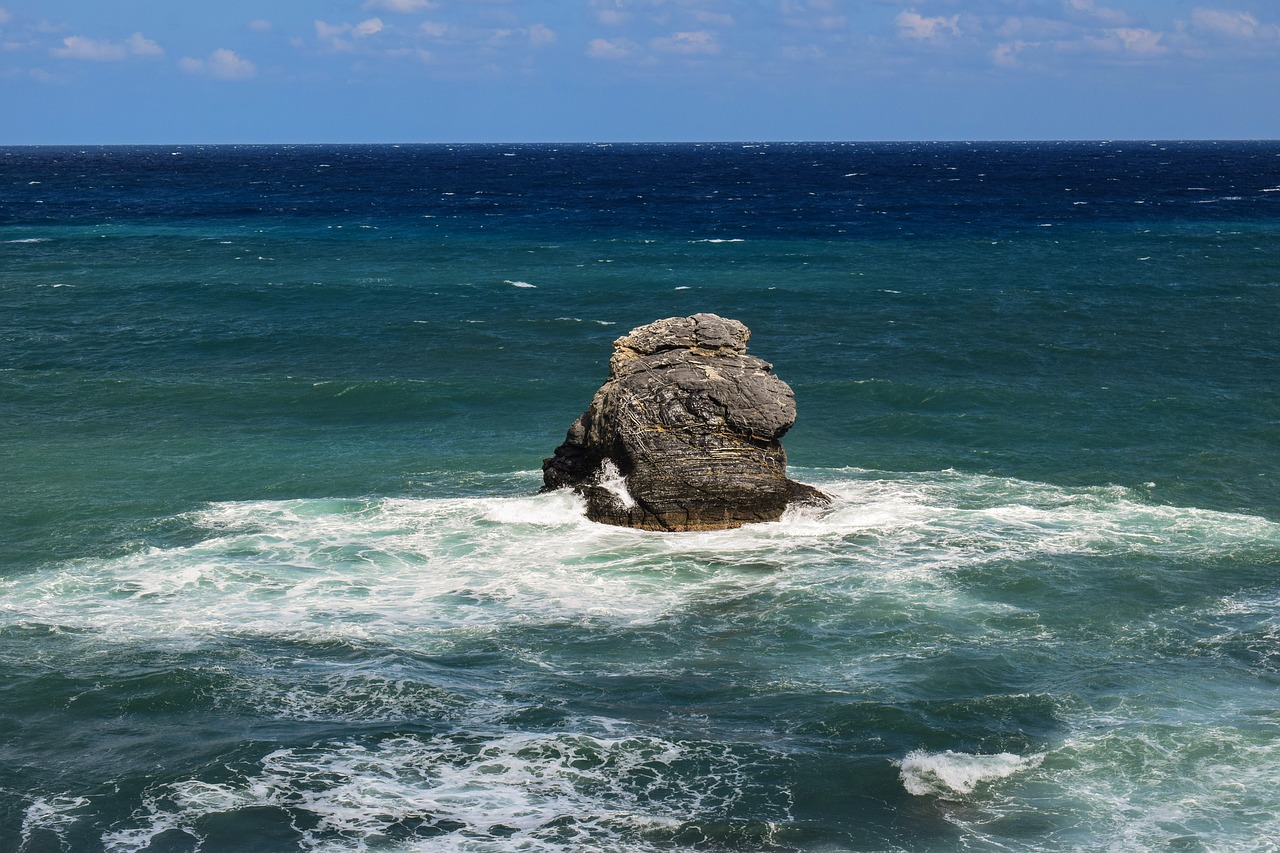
{"points": [[720, 240], [29, 240], [518, 283], [950, 774], [580, 320]]}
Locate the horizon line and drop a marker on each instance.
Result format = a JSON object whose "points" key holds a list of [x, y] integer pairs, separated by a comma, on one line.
{"points": [[601, 142]]}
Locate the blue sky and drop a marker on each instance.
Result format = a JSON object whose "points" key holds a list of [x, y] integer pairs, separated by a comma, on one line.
{"points": [[139, 71]]}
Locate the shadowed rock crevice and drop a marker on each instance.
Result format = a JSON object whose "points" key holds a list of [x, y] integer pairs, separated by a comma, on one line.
{"points": [[685, 434]]}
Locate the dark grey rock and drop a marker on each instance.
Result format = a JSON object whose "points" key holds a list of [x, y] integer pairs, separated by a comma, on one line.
{"points": [[684, 435]]}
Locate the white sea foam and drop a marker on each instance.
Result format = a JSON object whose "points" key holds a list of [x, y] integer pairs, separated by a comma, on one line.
{"points": [[473, 791], [406, 579], [518, 283], [720, 240], [52, 815], [1147, 783], [949, 774], [29, 240], [393, 569]]}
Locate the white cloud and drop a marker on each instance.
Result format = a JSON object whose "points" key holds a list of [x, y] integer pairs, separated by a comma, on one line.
{"points": [[688, 43], [1241, 25], [1115, 17], [222, 64], [1137, 41], [610, 12], [4, 15], [403, 6], [911, 24], [615, 49], [329, 32], [434, 29], [333, 34], [93, 50], [140, 45], [1006, 53], [541, 35], [79, 47], [364, 29], [260, 26]]}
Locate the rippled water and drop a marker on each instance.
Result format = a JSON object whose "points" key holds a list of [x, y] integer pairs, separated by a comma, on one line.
{"points": [[274, 574]]}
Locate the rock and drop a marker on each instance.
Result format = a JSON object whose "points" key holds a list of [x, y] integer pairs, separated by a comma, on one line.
{"points": [[685, 433]]}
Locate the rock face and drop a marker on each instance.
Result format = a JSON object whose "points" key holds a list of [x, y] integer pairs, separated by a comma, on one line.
{"points": [[685, 433]]}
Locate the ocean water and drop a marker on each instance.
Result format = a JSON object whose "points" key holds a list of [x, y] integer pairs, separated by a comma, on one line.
{"points": [[274, 574]]}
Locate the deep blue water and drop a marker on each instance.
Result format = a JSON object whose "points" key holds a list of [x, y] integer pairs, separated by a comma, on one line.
{"points": [[274, 575]]}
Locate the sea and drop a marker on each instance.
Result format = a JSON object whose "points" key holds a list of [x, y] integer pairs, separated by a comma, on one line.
{"points": [[275, 574]]}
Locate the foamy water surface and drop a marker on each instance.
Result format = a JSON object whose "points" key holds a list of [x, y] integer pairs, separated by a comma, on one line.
{"points": [[511, 668]]}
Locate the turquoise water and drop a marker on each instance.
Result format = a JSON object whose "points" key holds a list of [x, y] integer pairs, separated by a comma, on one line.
{"points": [[274, 575]]}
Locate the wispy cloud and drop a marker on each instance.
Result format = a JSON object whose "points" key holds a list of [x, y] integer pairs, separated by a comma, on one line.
{"points": [[1006, 53], [335, 35], [93, 50], [1135, 40], [221, 64], [911, 24], [714, 19], [697, 42], [612, 49], [611, 13], [811, 15], [803, 53], [404, 7], [540, 35], [1090, 9], [1233, 24]]}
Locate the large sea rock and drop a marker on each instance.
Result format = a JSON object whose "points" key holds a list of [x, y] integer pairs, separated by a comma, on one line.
{"points": [[684, 435]]}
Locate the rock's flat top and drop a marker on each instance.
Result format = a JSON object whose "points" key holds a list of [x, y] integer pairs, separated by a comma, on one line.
{"points": [[685, 434]]}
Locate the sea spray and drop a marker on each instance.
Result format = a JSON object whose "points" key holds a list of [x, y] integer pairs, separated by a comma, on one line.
{"points": [[955, 774]]}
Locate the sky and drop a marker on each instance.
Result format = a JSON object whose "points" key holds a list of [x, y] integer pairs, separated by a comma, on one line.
{"points": [[312, 71]]}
